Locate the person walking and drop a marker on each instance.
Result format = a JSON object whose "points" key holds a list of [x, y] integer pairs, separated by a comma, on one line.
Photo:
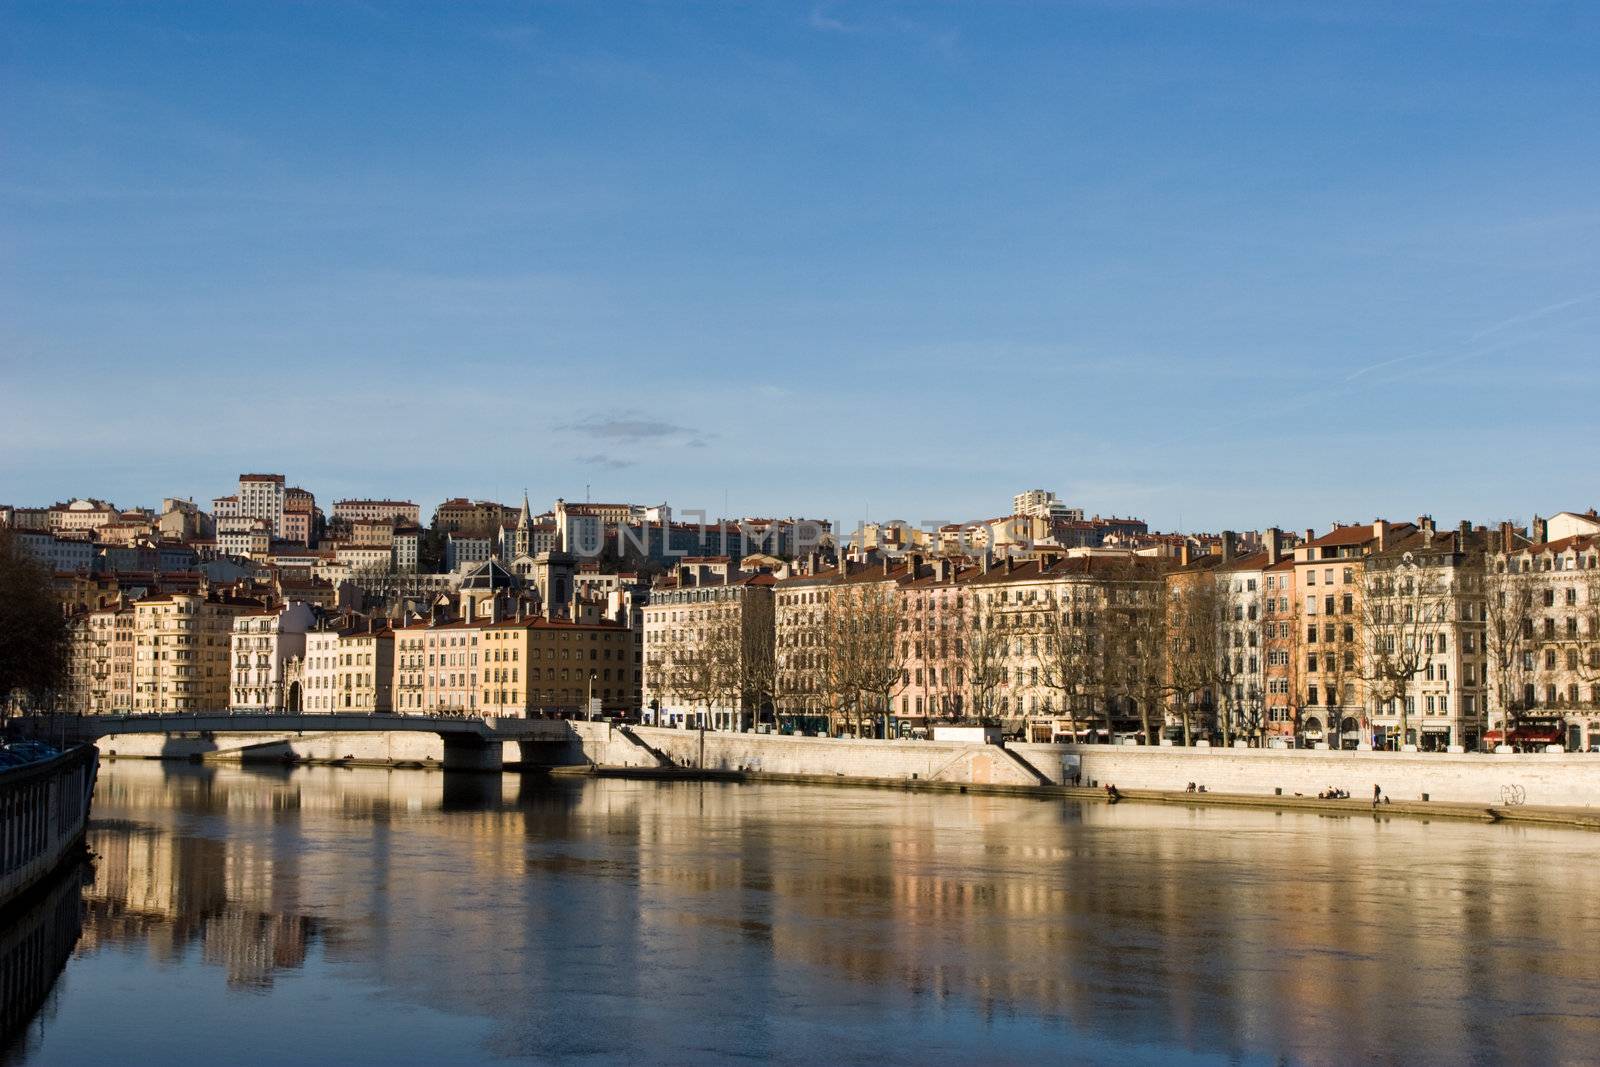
{"points": [[1377, 794]]}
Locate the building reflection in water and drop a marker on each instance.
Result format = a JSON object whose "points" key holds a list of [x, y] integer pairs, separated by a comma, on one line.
{"points": [[37, 935], [727, 920]]}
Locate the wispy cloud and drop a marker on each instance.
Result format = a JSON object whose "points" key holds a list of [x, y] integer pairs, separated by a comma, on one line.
{"points": [[822, 21], [631, 427], [600, 459], [1472, 339]]}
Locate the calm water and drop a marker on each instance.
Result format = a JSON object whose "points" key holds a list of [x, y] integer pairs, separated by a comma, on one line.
{"points": [[344, 916]]}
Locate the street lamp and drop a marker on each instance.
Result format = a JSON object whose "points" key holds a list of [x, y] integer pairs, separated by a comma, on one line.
{"points": [[593, 674]]}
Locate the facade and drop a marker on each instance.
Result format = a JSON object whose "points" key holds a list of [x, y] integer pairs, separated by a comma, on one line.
{"points": [[62, 555], [1425, 652], [364, 559], [262, 496], [1039, 502], [81, 514], [481, 518], [436, 668], [461, 550], [708, 650], [349, 667], [182, 645], [535, 665], [392, 511], [1555, 674], [262, 646], [101, 657], [407, 544], [1330, 700]]}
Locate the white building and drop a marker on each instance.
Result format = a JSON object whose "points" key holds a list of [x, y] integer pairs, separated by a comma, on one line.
{"points": [[407, 546], [460, 552], [1045, 505], [402, 511], [263, 644], [261, 496], [59, 554], [349, 669]]}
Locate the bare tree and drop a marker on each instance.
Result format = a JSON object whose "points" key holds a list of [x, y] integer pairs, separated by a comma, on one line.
{"points": [[1508, 641], [33, 632], [1067, 654], [1589, 621], [1403, 605], [840, 654], [880, 658], [758, 660], [1133, 644], [1197, 655], [984, 646]]}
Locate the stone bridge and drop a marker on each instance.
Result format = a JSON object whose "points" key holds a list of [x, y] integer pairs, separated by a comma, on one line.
{"points": [[470, 743]]}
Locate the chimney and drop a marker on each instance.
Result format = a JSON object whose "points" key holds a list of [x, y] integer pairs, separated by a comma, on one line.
{"points": [[1507, 541], [1228, 546], [1464, 528], [1425, 524], [1274, 544], [913, 566], [985, 563], [886, 566], [1183, 553], [1011, 563], [1540, 531], [1380, 532]]}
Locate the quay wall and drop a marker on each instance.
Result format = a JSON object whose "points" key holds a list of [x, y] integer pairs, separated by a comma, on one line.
{"points": [[606, 746], [1499, 780], [386, 748]]}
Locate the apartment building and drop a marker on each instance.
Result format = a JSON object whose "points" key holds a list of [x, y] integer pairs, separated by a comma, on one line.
{"points": [[537, 665], [182, 646], [1039, 502], [403, 512], [436, 667], [100, 661], [81, 514], [481, 518], [800, 608], [1555, 674], [262, 646], [262, 496], [1425, 659], [1329, 572], [349, 666], [708, 648]]}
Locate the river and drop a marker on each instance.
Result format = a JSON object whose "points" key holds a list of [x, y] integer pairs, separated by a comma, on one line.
{"points": [[338, 916]]}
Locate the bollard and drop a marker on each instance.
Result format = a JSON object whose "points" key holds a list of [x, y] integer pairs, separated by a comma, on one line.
{"points": [[1424, 797], [1278, 791]]}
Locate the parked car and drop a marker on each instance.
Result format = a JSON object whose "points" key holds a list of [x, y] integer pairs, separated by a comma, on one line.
{"points": [[32, 751]]}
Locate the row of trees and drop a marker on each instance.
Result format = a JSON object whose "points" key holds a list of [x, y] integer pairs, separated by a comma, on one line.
{"points": [[1120, 646]]}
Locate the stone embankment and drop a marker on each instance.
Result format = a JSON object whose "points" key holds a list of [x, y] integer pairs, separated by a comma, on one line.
{"points": [[1544, 787], [1553, 788]]}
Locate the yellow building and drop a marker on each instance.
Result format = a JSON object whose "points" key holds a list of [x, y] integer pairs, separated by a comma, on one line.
{"points": [[181, 644], [536, 664]]}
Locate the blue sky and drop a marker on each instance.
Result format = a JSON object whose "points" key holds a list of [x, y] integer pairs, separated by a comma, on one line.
{"points": [[1217, 264]]}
